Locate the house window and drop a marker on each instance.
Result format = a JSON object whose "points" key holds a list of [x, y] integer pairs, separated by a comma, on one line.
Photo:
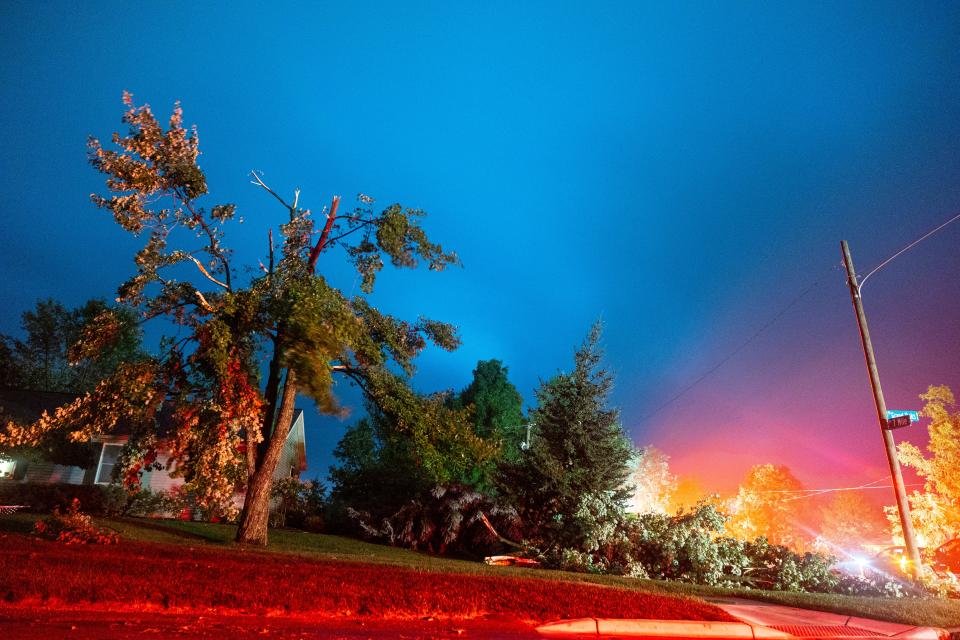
{"points": [[108, 460], [6, 468]]}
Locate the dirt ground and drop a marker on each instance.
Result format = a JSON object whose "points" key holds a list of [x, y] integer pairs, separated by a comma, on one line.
{"points": [[25, 623]]}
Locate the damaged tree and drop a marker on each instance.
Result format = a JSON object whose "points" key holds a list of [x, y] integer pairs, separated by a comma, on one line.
{"points": [[227, 426]]}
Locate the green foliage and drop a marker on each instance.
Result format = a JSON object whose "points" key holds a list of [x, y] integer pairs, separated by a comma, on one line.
{"points": [[396, 234], [289, 316], [377, 470], [497, 407], [403, 448], [578, 456], [410, 443], [778, 568], [684, 547], [690, 547]]}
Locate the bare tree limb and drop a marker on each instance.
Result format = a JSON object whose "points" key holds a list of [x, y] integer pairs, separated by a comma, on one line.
{"points": [[214, 243], [270, 242], [206, 273], [203, 302], [258, 181], [345, 234]]}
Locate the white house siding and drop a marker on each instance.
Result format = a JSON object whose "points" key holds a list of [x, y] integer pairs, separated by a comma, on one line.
{"points": [[293, 455], [160, 480], [49, 473], [292, 462]]}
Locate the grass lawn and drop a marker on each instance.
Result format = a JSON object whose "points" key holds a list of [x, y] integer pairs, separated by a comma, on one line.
{"points": [[188, 569], [206, 536]]}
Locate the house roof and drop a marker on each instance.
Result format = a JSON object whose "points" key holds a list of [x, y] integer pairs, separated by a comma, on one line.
{"points": [[26, 405]]}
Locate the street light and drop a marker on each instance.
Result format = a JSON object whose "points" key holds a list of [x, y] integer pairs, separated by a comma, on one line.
{"points": [[526, 443]]}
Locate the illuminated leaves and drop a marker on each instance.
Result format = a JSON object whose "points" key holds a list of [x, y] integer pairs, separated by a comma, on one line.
{"points": [[761, 508], [153, 179], [936, 510], [130, 395], [97, 337]]}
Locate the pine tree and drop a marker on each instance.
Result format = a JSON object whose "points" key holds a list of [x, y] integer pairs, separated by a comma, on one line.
{"points": [[578, 458]]}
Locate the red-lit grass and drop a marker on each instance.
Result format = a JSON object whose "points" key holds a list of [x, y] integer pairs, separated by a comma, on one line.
{"points": [[157, 576]]}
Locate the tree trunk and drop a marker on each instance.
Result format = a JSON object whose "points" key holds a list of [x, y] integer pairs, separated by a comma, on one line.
{"points": [[256, 504], [270, 394]]}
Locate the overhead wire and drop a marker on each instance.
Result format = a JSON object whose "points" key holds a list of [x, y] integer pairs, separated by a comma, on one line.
{"points": [[741, 347], [780, 314]]}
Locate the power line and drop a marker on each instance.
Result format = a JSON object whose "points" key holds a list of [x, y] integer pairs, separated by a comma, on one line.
{"points": [[780, 314], [740, 348], [869, 485]]}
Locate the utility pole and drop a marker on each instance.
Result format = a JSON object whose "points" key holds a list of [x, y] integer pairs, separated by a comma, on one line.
{"points": [[909, 537]]}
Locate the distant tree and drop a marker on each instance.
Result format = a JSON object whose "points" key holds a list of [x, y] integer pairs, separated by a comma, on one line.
{"points": [[935, 510], [225, 431], [767, 505], [652, 482], [381, 466], [497, 407], [686, 495], [578, 460], [849, 520], [44, 360]]}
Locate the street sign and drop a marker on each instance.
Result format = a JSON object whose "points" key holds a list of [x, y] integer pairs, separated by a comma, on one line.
{"points": [[914, 415], [898, 422]]}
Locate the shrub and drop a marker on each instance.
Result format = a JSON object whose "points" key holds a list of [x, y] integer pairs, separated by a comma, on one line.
{"points": [[690, 547], [42, 498], [73, 527], [299, 504], [99, 500]]}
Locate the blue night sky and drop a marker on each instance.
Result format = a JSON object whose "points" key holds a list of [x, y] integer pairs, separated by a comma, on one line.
{"points": [[683, 171]]}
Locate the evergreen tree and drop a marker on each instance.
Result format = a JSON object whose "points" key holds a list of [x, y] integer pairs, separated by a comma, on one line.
{"points": [[497, 407], [578, 460]]}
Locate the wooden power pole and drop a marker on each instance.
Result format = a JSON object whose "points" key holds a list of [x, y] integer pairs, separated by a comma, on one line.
{"points": [[909, 537]]}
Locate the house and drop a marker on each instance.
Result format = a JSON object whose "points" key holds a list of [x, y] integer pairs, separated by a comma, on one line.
{"points": [[27, 406]]}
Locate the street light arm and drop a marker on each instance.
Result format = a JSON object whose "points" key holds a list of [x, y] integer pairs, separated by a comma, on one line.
{"points": [[905, 249]]}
